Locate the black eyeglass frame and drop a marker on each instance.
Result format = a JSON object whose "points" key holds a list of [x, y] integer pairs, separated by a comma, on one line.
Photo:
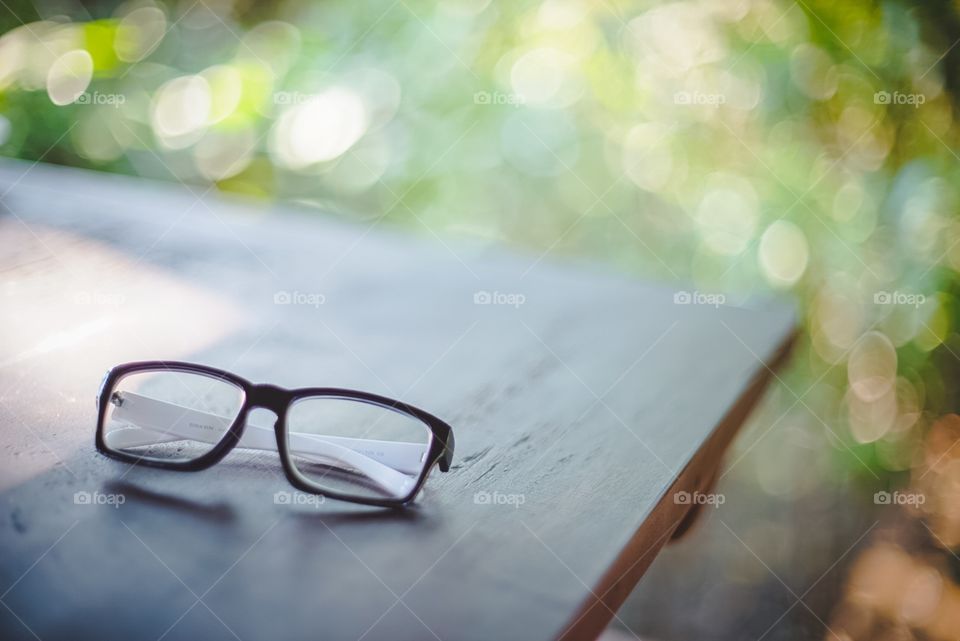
{"points": [[278, 400]]}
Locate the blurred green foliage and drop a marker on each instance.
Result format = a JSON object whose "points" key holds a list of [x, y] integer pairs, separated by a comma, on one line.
{"points": [[740, 145]]}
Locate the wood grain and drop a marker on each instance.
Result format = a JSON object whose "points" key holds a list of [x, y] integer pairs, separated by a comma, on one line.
{"points": [[581, 400]]}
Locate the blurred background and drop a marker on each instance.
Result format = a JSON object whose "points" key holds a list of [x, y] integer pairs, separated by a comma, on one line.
{"points": [[749, 146]]}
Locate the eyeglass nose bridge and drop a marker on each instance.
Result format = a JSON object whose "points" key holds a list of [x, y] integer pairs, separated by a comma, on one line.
{"points": [[269, 397]]}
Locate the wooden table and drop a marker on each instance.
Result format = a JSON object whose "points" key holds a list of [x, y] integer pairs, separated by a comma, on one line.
{"points": [[581, 402]]}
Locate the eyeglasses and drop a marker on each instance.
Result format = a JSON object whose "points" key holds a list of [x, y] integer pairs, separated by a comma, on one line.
{"points": [[340, 443]]}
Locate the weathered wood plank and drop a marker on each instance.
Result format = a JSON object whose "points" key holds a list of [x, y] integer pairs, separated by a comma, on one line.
{"points": [[590, 402]]}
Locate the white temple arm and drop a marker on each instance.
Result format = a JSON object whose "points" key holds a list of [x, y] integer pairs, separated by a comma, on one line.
{"points": [[392, 465]]}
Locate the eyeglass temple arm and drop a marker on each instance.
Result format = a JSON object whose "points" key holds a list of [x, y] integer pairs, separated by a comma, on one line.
{"points": [[381, 461]]}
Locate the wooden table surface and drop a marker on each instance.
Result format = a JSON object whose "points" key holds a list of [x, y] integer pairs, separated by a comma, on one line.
{"points": [[581, 402]]}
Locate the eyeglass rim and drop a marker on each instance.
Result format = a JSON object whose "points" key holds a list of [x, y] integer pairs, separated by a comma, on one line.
{"points": [[278, 400]]}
